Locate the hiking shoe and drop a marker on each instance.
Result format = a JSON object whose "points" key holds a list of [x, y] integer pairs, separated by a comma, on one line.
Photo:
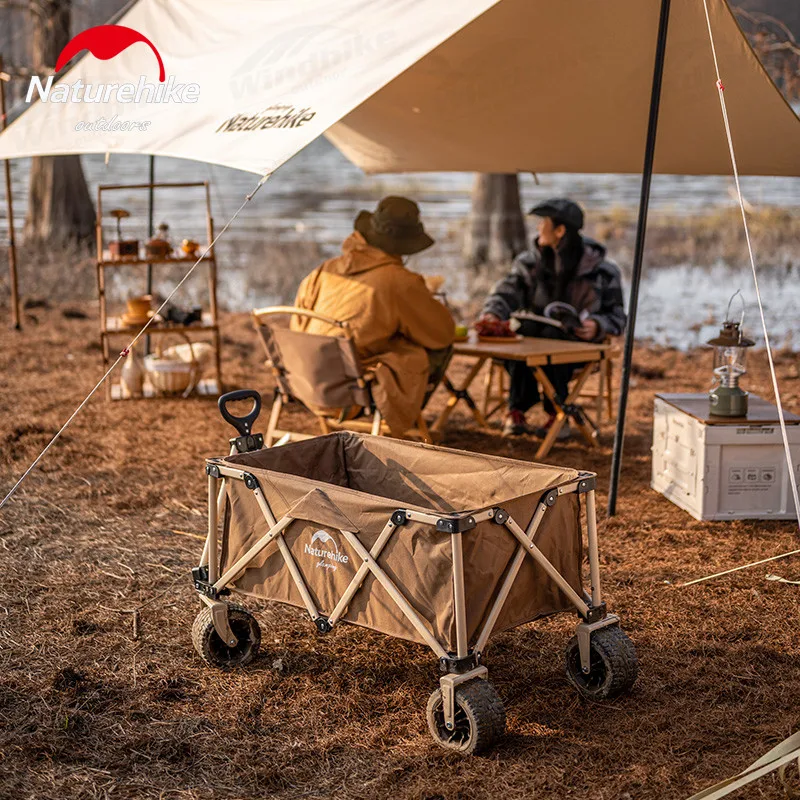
{"points": [[542, 431], [515, 424]]}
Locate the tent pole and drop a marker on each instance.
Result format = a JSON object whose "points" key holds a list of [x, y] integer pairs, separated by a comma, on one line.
{"points": [[151, 181], [12, 245], [641, 228]]}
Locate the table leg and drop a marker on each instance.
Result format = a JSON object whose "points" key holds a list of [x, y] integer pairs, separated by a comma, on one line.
{"points": [[496, 370], [582, 421], [461, 394], [560, 418], [588, 432]]}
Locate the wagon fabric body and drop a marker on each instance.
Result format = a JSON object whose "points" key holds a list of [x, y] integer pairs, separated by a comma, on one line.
{"points": [[355, 483], [424, 543]]}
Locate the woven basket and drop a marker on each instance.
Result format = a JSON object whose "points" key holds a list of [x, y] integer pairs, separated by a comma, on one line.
{"points": [[197, 351], [172, 375]]}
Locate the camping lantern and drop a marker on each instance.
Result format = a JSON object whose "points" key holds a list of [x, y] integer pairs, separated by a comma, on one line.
{"points": [[730, 355]]}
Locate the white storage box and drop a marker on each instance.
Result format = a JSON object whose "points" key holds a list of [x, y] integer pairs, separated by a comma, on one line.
{"points": [[723, 467]]}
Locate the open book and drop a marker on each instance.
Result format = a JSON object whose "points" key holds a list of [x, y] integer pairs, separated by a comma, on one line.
{"points": [[558, 314]]}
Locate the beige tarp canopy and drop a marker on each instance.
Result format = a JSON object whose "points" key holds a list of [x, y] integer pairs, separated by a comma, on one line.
{"points": [[543, 86], [483, 85]]}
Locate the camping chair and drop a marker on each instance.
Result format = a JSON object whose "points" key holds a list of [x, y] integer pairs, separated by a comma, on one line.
{"points": [[495, 388], [323, 374]]}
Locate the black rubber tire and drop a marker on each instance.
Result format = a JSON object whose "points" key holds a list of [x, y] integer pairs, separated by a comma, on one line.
{"points": [[480, 718], [613, 664], [214, 651]]}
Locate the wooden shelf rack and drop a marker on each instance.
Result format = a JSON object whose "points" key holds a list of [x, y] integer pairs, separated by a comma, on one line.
{"points": [[112, 327]]}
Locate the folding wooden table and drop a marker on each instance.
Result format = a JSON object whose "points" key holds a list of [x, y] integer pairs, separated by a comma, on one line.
{"points": [[536, 353]]}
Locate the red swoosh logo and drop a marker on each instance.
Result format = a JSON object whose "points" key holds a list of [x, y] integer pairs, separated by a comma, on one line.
{"points": [[105, 42]]}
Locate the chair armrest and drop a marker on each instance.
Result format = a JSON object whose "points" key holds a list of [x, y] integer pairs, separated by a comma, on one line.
{"points": [[259, 313]]}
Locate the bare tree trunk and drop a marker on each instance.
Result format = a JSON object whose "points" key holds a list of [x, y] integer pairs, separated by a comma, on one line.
{"points": [[59, 205], [496, 230]]}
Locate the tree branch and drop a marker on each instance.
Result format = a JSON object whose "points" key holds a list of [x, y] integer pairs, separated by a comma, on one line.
{"points": [[24, 73], [760, 19], [29, 7]]}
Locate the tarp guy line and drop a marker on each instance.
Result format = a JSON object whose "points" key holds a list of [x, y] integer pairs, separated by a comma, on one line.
{"points": [[721, 92], [778, 758], [135, 339], [736, 569]]}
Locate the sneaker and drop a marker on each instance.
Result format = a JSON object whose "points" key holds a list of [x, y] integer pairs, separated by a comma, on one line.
{"points": [[515, 424], [542, 431]]}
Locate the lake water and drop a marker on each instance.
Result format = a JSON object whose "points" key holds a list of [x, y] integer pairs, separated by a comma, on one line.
{"points": [[316, 195]]}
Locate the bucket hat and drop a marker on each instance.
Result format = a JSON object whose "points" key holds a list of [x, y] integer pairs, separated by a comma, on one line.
{"points": [[394, 227]]}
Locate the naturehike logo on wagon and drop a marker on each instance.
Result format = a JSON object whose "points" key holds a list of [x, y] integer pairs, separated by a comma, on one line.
{"points": [[328, 559], [105, 42]]}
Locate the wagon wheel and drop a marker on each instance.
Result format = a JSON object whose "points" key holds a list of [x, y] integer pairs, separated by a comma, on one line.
{"points": [[214, 651], [480, 719], [613, 665]]}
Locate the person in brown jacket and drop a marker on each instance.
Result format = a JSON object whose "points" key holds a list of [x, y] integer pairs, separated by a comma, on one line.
{"points": [[403, 334]]}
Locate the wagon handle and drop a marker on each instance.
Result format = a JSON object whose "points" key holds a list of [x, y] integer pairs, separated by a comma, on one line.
{"points": [[244, 425]]}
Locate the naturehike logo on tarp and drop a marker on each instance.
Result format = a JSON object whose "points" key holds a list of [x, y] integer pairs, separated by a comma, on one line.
{"points": [[105, 42], [328, 559], [275, 116]]}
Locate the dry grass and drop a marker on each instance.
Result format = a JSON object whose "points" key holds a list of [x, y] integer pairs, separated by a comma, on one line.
{"points": [[703, 239], [63, 273], [276, 269], [88, 711], [274, 265]]}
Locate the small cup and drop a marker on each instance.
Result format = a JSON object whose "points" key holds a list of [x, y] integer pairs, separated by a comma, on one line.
{"points": [[190, 247]]}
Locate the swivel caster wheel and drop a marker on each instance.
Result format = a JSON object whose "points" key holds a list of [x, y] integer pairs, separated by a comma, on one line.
{"points": [[217, 653], [613, 666], [480, 718]]}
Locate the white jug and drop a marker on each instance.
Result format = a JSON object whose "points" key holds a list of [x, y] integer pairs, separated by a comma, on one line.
{"points": [[131, 377]]}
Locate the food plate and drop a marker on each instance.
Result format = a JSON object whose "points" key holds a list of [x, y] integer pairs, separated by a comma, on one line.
{"points": [[461, 339], [500, 339]]}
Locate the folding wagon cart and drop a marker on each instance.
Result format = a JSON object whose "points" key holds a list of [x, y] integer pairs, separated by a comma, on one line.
{"points": [[428, 544]]}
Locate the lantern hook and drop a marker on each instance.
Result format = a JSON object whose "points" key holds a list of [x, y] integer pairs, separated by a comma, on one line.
{"points": [[728, 312]]}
